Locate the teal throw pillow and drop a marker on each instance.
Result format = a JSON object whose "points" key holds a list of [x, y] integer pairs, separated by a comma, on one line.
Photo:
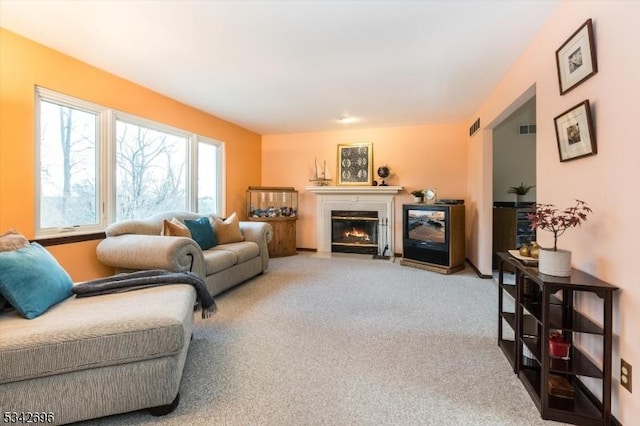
{"points": [[32, 280], [202, 232]]}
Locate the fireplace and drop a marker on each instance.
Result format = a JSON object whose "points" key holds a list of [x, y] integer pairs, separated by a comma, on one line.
{"points": [[354, 231], [378, 199]]}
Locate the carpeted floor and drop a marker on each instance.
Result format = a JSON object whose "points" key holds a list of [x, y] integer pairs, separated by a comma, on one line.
{"points": [[349, 341]]}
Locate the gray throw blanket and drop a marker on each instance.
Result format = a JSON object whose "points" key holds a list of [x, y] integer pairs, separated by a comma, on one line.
{"points": [[144, 279]]}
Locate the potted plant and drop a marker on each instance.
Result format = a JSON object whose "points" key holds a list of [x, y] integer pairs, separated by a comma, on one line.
{"points": [[520, 191], [547, 217], [418, 195]]}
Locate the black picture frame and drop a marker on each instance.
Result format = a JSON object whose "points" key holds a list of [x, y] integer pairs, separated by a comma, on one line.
{"points": [[574, 132], [576, 59]]}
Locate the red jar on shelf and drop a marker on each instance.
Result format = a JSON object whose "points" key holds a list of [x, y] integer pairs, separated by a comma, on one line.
{"points": [[558, 347]]}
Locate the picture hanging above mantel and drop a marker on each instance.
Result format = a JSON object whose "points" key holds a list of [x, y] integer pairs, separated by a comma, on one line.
{"points": [[355, 164], [576, 58]]}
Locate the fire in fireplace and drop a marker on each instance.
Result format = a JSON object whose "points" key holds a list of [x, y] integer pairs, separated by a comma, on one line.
{"points": [[354, 231]]}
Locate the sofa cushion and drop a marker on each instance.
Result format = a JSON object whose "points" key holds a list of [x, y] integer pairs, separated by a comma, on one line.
{"points": [[32, 280], [9, 241], [174, 228], [93, 332], [202, 232], [12, 240], [244, 251], [216, 260], [227, 230]]}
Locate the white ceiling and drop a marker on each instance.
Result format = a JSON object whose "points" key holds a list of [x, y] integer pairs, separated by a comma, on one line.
{"points": [[296, 66]]}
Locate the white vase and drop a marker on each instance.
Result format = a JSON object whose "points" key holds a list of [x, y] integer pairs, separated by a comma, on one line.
{"points": [[417, 200], [556, 263]]}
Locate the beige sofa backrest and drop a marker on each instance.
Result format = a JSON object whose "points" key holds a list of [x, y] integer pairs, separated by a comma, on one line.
{"points": [[149, 226]]}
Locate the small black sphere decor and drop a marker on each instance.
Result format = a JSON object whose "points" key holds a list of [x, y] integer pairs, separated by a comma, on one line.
{"points": [[384, 173]]}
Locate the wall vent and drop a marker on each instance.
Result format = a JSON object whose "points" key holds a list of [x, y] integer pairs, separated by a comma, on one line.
{"points": [[526, 129], [474, 127]]}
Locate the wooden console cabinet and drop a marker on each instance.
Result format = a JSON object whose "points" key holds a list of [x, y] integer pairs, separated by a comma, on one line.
{"points": [[529, 311], [283, 242], [278, 206]]}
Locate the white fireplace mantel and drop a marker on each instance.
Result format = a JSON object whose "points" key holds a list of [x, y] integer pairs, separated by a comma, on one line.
{"points": [[373, 198], [374, 190]]}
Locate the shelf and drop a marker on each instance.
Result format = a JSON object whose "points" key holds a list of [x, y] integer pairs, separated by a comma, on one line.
{"points": [[510, 318], [530, 378], [533, 344], [509, 349], [572, 322], [529, 326], [510, 289], [529, 363], [580, 410], [535, 309], [578, 365]]}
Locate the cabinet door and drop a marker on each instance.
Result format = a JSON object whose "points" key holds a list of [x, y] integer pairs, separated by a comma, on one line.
{"points": [[283, 242], [504, 232]]}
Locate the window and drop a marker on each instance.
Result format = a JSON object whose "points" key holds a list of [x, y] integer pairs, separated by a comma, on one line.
{"points": [[209, 176], [96, 166], [68, 185], [151, 168]]}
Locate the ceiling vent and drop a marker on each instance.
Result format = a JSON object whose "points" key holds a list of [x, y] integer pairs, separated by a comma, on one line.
{"points": [[526, 129]]}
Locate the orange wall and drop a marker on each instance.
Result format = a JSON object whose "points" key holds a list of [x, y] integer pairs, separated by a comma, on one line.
{"points": [[418, 156], [608, 181], [24, 64]]}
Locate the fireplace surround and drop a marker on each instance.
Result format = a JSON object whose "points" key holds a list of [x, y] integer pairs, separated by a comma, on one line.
{"points": [[378, 199]]}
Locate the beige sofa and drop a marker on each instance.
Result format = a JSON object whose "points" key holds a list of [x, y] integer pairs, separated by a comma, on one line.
{"points": [[137, 245], [97, 356]]}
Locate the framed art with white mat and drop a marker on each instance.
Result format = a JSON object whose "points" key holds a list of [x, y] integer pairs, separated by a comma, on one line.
{"points": [[576, 58], [574, 132]]}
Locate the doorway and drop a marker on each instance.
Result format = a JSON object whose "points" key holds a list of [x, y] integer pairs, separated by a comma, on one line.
{"points": [[514, 164]]}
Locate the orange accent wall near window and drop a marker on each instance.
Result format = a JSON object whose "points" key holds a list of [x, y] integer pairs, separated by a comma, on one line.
{"points": [[26, 64]]}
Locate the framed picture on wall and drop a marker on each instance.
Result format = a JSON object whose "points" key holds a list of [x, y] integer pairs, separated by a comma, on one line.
{"points": [[574, 133], [576, 58], [355, 164]]}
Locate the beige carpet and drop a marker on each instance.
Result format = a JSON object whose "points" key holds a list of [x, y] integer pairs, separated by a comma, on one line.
{"points": [[348, 341]]}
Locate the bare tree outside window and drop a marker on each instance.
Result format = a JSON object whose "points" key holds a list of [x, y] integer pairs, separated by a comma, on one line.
{"points": [[150, 171], [89, 176], [67, 166]]}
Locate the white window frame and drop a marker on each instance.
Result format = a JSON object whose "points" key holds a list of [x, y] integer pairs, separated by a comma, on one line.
{"points": [[159, 127], [220, 167], [106, 162], [102, 114]]}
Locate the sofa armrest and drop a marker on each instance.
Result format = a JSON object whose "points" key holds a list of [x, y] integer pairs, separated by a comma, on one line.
{"points": [[135, 252], [260, 233]]}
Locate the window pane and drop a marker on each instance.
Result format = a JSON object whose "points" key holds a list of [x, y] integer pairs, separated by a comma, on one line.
{"points": [[68, 192], [150, 171], [208, 178]]}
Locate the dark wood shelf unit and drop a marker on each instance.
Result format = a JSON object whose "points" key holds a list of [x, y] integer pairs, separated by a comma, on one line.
{"points": [[544, 304], [509, 349], [511, 228], [560, 319], [510, 289], [578, 365]]}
